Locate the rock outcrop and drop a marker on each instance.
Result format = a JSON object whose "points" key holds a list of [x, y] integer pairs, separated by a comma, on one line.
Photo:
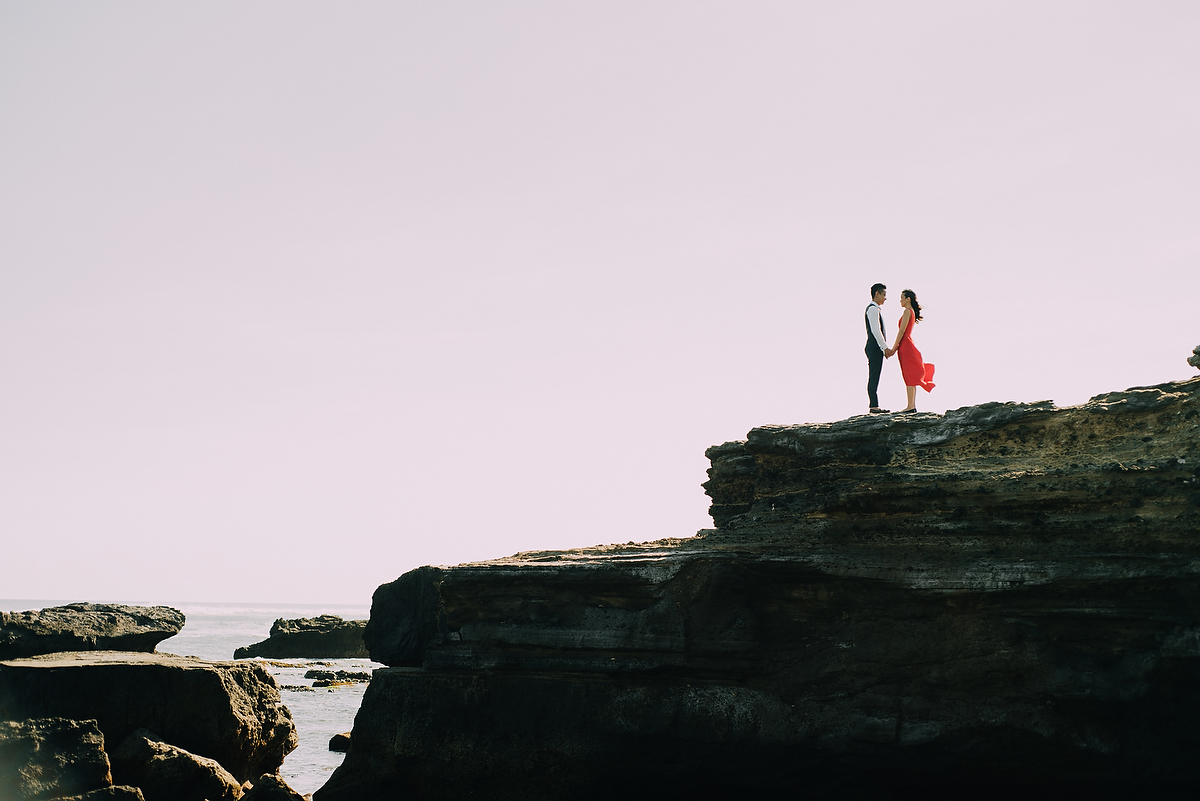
{"points": [[322, 637], [51, 758], [271, 787], [226, 711], [164, 772], [1194, 359], [87, 627], [1004, 599]]}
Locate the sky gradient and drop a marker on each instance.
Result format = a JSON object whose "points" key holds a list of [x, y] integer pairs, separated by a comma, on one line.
{"points": [[296, 297]]}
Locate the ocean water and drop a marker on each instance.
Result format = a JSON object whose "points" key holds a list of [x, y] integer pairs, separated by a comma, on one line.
{"points": [[213, 631]]}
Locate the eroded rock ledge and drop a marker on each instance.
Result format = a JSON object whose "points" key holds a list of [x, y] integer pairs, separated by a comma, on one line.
{"points": [[87, 627], [1002, 599]]}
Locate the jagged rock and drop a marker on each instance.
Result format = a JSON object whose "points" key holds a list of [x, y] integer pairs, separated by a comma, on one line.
{"points": [[87, 627], [340, 742], [167, 773], [227, 711], [271, 787], [1194, 359], [326, 636], [50, 758], [118, 793], [1004, 600]]}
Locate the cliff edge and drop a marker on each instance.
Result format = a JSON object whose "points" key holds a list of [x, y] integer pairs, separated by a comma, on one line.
{"points": [[1001, 599]]}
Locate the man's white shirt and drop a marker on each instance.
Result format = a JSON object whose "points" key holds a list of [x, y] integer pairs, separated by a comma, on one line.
{"points": [[876, 329]]}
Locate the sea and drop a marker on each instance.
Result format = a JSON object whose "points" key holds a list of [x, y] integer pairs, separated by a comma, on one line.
{"points": [[214, 631]]}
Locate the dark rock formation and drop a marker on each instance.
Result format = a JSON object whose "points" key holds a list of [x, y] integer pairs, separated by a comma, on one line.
{"points": [[343, 676], [118, 793], [164, 772], [271, 787], [323, 637], [51, 758], [1194, 359], [340, 742], [87, 627], [227, 711], [1004, 599]]}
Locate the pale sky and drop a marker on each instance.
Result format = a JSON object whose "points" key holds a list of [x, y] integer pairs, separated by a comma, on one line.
{"points": [[296, 297]]}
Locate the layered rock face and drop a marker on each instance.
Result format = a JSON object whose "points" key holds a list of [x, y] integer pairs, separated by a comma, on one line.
{"points": [[322, 637], [226, 711], [87, 627], [1002, 599]]}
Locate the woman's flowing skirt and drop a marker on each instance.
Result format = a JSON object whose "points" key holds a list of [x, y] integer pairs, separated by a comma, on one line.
{"points": [[917, 373]]}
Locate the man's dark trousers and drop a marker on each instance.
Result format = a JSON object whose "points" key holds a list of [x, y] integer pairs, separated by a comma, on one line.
{"points": [[875, 357]]}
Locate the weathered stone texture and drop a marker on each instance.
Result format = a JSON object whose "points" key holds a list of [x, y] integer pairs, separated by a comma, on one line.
{"points": [[1005, 598], [51, 757], [227, 711], [322, 637], [164, 772], [87, 627]]}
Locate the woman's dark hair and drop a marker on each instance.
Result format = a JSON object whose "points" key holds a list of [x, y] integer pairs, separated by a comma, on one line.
{"points": [[912, 301]]}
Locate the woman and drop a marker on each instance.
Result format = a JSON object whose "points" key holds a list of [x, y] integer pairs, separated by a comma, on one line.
{"points": [[916, 372]]}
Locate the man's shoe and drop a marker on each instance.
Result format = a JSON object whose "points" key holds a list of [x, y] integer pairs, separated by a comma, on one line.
{"points": [[877, 410]]}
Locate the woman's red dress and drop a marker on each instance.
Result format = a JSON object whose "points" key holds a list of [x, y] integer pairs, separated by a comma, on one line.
{"points": [[917, 373]]}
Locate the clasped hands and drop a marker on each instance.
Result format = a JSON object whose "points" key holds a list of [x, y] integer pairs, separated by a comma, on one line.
{"points": [[887, 354]]}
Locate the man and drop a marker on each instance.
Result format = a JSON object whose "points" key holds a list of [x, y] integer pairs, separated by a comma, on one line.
{"points": [[877, 347]]}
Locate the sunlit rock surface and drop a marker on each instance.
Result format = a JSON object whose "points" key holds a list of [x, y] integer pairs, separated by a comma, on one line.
{"points": [[1003, 599]]}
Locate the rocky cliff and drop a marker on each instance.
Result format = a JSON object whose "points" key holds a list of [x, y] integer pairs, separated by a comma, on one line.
{"points": [[1002, 599]]}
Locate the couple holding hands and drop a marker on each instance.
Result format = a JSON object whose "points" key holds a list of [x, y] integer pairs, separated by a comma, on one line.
{"points": [[917, 373]]}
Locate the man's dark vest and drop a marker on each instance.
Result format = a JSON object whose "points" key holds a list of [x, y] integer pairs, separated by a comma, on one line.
{"points": [[871, 343]]}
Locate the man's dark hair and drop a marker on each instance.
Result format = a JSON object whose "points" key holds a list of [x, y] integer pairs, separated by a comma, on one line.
{"points": [[877, 288]]}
